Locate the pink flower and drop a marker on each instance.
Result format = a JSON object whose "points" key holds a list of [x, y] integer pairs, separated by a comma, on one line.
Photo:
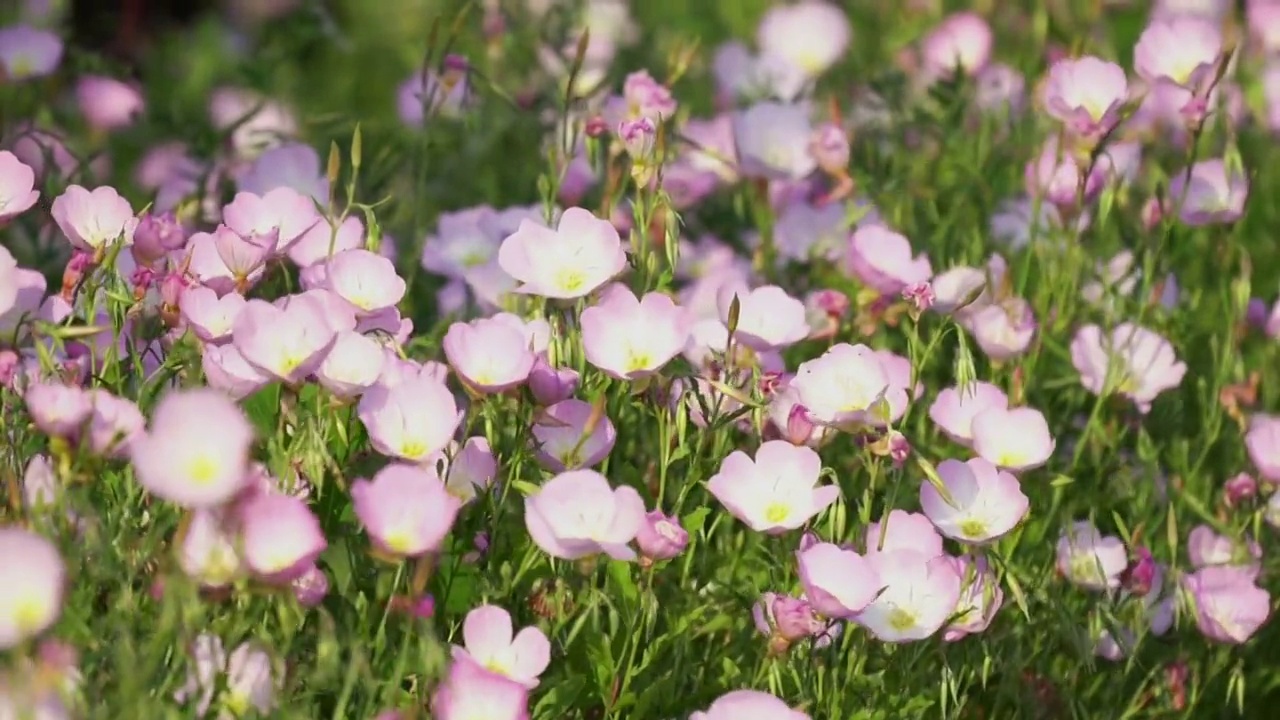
{"points": [[982, 503], [839, 583], [1206, 548], [1130, 360], [1229, 606], [469, 691], [283, 210], [772, 140], [882, 260], [1182, 50], [310, 588], [1090, 560], [246, 676], [919, 595], [422, 94], [1056, 175], [17, 183], [179, 460], [661, 537], [1262, 441], [490, 354], [578, 257], [901, 530], [280, 536], [630, 338], [288, 341], [647, 98], [1086, 94], [211, 318], [114, 423], [846, 386], [33, 576], [292, 165], [562, 440], [321, 242], [91, 220], [768, 318], [245, 257], [208, 551], [58, 410], [955, 407], [789, 619], [410, 420], [365, 279], [776, 491], [27, 52], [811, 35], [489, 640], [577, 514], [1004, 329], [961, 42], [1213, 194], [1014, 439], [407, 511], [551, 385], [748, 705], [467, 468], [107, 103], [226, 370], [353, 364], [1001, 90]]}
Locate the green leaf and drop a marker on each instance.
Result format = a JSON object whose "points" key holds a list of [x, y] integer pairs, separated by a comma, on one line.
{"points": [[620, 576]]}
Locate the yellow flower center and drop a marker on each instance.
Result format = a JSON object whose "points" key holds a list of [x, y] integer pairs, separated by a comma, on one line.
{"points": [[777, 512], [203, 470], [1009, 458], [237, 703], [21, 67], [570, 280], [1084, 568], [399, 541], [902, 620], [412, 449], [638, 360], [28, 614], [973, 529]]}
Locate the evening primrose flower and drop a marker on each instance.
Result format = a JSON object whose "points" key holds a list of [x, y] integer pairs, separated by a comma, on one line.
{"points": [[211, 318], [490, 640], [33, 576], [776, 491], [472, 692], [1002, 329], [961, 42], [572, 261], [58, 410], [463, 239], [353, 364], [279, 535], [287, 340], [839, 583], [411, 419], [811, 35], [246, 675], [768, 318], [1089, 559], [1014, 439], [845, 386], [490, 354], [902, 530], [980, 598], [17, 193], [322, 242], [882, 260], [226, 370], [955, 407], [1130, 360], [467, 468], [179, 460], [772, 140], [8, 282], [1182, 50], [406, 510], [283, 210], [577, 514], [1211, 195], [113, 424], [27, 52], [365, 279], [207, 553], [1229, 606], [984, 503], [1086, 94], [569, 435], [661, 537], [918, 595], [630, 338], [1206, 547], [1262, 441], [107, 103], [748, 705], [93, 219]]}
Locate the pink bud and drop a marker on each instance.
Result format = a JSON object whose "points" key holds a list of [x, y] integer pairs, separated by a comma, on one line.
{"points": [[596, 127], [920, 295], [661, 537], [156, 236], [799, 425], [1241, 488], [551, 385], [899, 448], [9, 364], [829, 146], [1141, 573], [424, 607], [310, 588]]}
